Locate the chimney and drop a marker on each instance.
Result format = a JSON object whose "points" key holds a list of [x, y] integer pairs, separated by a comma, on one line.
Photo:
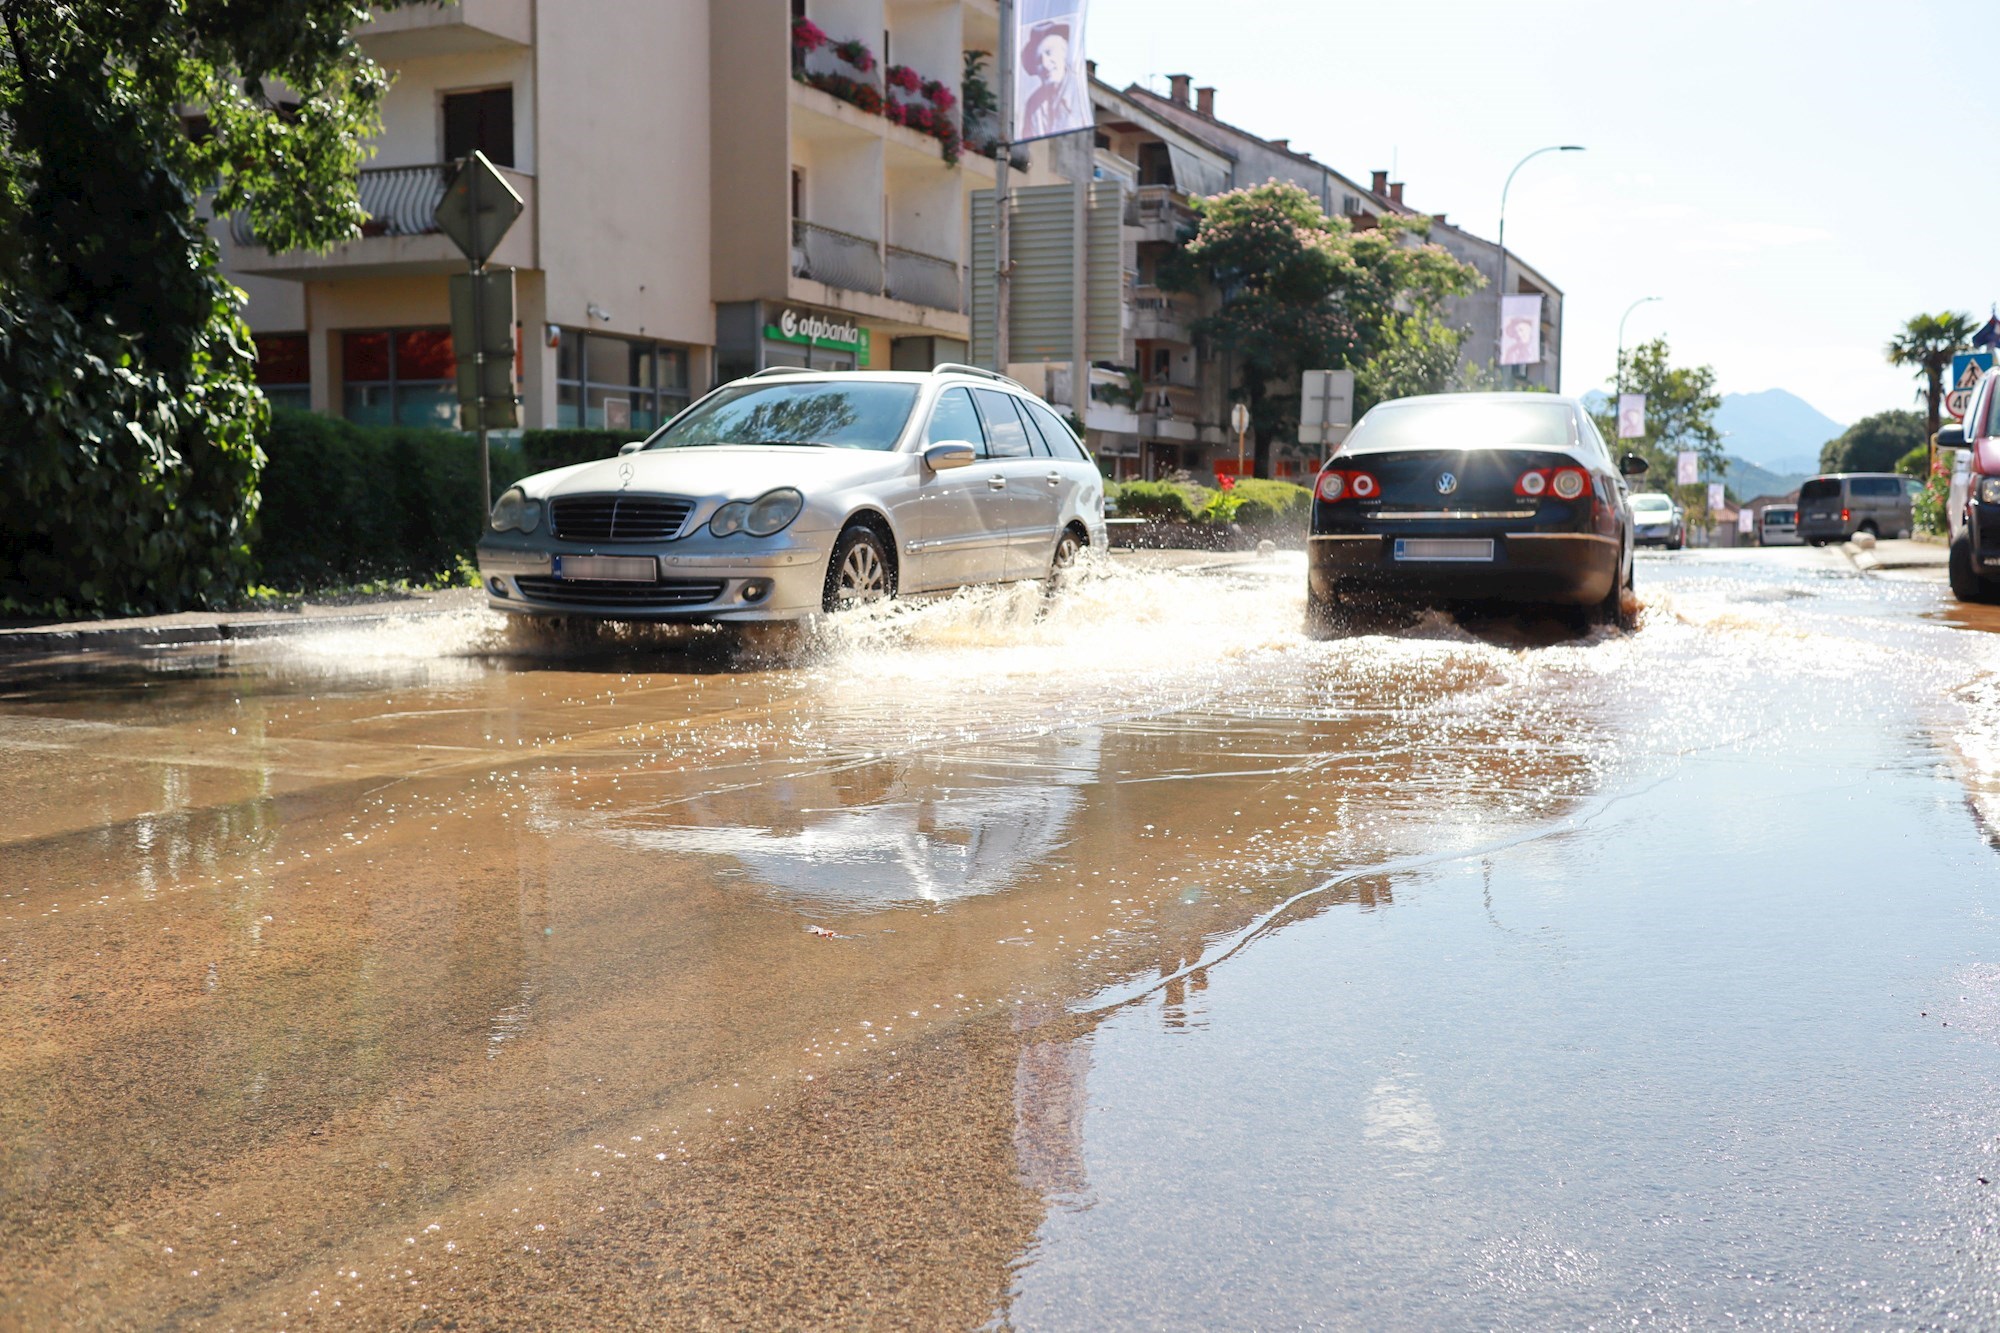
{"points": [[1282, 145], [1179, 84], [1395, 192], [1204, 102], [1090, 68], [1379, 183], [1439, 219]]}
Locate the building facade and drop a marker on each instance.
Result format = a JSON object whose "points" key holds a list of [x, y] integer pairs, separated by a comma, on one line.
{"points": [[710, 187]]}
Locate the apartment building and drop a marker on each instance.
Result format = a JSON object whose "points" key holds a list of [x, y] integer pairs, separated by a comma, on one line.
{"points": [[711, 187]]}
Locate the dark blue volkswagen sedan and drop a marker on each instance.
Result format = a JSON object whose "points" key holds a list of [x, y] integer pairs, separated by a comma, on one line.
{"points": [[1471, 497]]}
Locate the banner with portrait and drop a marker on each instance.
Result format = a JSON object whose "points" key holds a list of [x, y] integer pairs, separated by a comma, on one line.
{"points": [[1051, 81], [1631, 416], [1520, 330]]}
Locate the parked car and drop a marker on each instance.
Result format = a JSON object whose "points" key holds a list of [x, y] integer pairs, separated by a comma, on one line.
{"points": [[1973, 510], [1472, 497], [793, 492], [1658, 521], [1778, 525], [1833, 508]]}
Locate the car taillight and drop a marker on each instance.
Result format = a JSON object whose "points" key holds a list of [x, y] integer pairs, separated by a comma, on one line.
{"points": [[1843, 515], [1532, 483], [1569, 483], [1348, 486]]}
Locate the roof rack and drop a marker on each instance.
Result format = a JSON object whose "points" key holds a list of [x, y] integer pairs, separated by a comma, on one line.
{"points": [[780, 370], [959, 368]]}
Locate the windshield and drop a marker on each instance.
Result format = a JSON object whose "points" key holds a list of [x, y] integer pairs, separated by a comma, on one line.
{"points": [[1775, 515], [1820, 488], [1652, 504], [847, 416], [1465, 423]]}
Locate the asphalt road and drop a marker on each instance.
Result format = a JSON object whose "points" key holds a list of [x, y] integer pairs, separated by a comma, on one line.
{"points": [[1126, 960]]}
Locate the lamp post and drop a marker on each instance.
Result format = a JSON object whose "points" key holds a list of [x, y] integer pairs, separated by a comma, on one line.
{"points": [[1499, 320], [1620, 376]]}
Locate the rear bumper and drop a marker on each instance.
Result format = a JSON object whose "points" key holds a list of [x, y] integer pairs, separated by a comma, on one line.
{"points": [[1564, 567]]}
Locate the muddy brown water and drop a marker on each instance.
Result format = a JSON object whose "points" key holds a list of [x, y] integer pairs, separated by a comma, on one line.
{"points": [[1127, 960]]}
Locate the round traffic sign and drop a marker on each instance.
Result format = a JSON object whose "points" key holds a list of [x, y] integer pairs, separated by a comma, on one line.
{"points": [[1239, 418], [1956, 402]]}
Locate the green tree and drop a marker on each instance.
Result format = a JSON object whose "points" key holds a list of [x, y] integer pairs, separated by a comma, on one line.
{"points": [[1299, 290], [127, 400], [1681, 403], [1874, 444], [1926, 345]]}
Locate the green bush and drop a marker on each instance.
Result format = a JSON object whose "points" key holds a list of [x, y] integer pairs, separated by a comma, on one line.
{"points": [[347, 504], [1272, 504], [1152, 499], [1916, 463]]}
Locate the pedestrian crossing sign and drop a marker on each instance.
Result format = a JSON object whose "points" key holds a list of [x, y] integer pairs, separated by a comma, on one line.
{"points": [[1966, 368]]}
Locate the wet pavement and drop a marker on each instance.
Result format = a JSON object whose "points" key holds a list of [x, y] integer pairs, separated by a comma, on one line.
{"points": [[1126, 960]]}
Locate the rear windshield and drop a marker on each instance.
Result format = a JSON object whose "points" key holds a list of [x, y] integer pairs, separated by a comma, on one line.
{"points": [[1776, 515], [1652, 503], [849, 416], [1467, 423], [1820, 488]]}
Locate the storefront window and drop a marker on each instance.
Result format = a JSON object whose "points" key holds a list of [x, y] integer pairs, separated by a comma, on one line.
{"points": [[284, 369], [400, 377], [607, 383]]}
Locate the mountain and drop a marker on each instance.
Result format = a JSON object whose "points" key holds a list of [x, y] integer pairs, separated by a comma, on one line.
{"points": [[1775, 429], [1747, 481]]}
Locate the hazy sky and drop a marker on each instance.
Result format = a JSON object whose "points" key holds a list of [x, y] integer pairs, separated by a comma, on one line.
{"points": [[1790, 177]]}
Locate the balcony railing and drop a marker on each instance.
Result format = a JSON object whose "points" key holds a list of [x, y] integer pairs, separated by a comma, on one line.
{"points": [[836, 258], [926, 280], [399, 201], [1161, 316]]}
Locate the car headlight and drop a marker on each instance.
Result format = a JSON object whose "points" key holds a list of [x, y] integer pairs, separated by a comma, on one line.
{"points": [[515, 512], [1989, 490], [767, 514]]}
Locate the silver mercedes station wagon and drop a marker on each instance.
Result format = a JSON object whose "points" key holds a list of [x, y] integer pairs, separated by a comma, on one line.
{"points": [[794, 492]]}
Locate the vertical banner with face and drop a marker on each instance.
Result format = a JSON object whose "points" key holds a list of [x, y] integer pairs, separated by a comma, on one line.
{"points": [[1631, 416], [1520, 330], [1717, 498], [1051, 85], [1687, 467]]}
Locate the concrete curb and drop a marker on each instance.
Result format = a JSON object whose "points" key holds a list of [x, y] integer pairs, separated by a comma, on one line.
{"points": [[199, 627]]}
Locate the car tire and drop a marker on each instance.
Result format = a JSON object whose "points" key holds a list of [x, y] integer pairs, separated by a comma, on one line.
{"points": [[1322, 616], [1612, 612], [1068, 551], [859, 571], [1868, 526], [1966, 583]]}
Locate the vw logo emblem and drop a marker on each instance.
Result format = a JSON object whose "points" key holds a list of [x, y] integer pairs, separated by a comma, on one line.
{"points": [[1447, 482], [625, 471]]}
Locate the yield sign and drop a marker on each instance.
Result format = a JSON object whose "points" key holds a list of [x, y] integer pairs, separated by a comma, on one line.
{"points": [[478, 208]]}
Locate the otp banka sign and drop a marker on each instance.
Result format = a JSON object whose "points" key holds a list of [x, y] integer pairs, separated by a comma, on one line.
{"points": [[799, 326]]}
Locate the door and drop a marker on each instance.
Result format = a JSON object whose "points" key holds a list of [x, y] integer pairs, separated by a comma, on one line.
{"points": [[1031, 485], [962, 537]]}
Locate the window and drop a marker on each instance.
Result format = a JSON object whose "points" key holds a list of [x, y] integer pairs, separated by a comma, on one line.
{"points": [[401, 377], [607, 383], [1054, 430], [484, 121], [284, 369], [1880, 488], [1006, 437], [844, 415], [954, 419], [1467, 423], [798, 194]]}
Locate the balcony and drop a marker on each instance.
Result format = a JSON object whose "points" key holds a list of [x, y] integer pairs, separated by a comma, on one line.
{"points": [[925, 280], [1163, 213], [1159, 316], [1169, 412], [836, 258], [435, 29], [400, 236]]}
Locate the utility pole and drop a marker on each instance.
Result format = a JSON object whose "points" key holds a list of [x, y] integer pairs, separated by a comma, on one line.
{"points": [[1003, 166], [1620, 376], [1500, 317]]}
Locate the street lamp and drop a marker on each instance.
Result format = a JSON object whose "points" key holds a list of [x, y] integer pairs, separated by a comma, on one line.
{"points": [[1500, 330], [1620, 376]]}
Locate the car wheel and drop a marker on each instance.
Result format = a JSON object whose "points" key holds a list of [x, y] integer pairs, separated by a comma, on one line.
{"points": [[1321, 616], [1068, 548], [859, 570], [1868, 527], [1966, 583]]}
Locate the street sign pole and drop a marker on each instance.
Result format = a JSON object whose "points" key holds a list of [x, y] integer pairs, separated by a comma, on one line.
{"points": [[1239, 417], [477, 209], [479, 367]]}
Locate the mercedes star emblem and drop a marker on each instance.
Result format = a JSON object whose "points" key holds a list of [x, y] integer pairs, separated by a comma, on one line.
{"points": [[624, 475], [1447, 483]]}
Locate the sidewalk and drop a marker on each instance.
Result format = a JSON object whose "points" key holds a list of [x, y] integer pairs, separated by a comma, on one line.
{"points": [[220, 626], [1908, 559]]}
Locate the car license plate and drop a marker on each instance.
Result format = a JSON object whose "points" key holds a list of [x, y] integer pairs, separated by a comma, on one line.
{"points": [[1444, 548], [608, 568]]}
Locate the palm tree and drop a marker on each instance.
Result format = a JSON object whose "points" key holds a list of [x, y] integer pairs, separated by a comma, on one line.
{"points": [[1927, 344]]}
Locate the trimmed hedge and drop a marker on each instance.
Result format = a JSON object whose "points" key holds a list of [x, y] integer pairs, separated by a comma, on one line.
{"points": [[1257, 505], [349, 504], [1153, 499]]}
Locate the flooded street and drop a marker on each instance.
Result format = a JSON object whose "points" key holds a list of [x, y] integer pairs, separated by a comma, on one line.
{"points": [[1128, 960]]}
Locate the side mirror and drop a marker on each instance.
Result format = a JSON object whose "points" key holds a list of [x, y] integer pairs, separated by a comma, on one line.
{"points": [[1951, 435], [949, 454], [630, 447], [1632, 465]]}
